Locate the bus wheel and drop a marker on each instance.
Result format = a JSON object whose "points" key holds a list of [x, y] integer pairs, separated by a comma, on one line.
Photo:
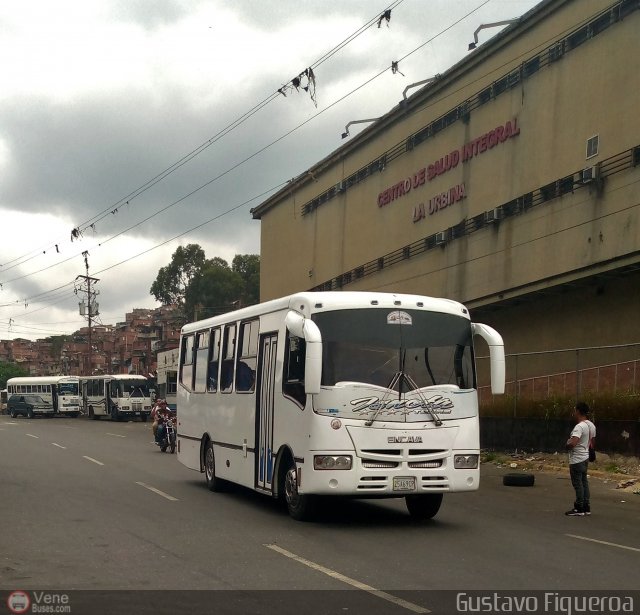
{"points": [[213, 483], [423, 506], [300, 506]]}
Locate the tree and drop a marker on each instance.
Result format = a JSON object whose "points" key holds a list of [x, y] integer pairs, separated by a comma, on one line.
{"points": [[203, 287], [215, 290], [10, 370], [171, 284], [248, 266]]}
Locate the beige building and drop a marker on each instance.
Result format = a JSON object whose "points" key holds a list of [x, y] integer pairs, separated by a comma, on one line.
{"points": [[510, 183]]}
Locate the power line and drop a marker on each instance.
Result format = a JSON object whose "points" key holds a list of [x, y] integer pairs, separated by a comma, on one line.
{"points": [[126, 200], [245, 160]]}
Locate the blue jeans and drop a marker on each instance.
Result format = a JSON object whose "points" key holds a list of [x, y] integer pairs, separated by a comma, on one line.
{"points": [[578, 473]]}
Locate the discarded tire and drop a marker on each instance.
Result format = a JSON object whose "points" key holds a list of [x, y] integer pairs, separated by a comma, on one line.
{"points": [[518, 480]]}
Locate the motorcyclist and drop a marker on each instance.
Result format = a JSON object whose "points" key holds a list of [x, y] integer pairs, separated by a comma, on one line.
{"points": [[159, 414]]}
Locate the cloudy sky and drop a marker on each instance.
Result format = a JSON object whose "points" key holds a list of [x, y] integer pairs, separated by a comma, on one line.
{"points": [[102, 100]]}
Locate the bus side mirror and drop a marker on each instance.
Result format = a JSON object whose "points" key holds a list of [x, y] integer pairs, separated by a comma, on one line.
{"points": [[496, 355], [308, 330]]}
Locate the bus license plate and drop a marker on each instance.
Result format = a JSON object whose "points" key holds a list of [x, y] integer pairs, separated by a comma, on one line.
{"points": [[404, 483]]}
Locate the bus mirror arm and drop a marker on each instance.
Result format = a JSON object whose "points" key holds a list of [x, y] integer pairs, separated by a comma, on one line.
{"points": [[308, 330], [496, 355]]}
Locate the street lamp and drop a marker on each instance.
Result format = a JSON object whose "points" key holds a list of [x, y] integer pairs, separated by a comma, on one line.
{"points": [[417, 83], [483, 26], [345, 134]]}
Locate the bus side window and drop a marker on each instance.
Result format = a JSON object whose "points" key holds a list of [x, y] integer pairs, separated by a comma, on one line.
{"points": [[228, 352], [213, 362], [201, 361], [186, 362], [247, 356], [293, 380]]}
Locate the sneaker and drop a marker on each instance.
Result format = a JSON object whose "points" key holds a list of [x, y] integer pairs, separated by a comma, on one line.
{"points": [[574, 513]]}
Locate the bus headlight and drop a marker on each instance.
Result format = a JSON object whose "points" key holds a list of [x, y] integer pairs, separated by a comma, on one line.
{"points": [[465, 462], [124, 408], [332, 462]]}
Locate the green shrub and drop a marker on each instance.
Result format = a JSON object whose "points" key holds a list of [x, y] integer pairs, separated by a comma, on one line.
{"points": [[609, 406]]}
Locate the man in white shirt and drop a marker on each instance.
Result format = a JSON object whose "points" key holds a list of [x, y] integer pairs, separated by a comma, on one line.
{"points": [[578, 445]]}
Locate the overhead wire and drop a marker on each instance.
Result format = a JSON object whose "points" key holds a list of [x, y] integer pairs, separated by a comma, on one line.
{"points": [[248, 158], [238, 164], [189, 156]]}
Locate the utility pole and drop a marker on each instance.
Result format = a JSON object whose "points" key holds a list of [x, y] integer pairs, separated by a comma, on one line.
{"points": [[90, 308]]}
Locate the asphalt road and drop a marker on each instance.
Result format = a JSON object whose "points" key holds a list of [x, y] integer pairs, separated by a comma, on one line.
{"points": [[95, 505]]}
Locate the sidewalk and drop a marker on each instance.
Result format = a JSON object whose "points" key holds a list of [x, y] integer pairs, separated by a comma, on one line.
{"points": [[620, 472]]}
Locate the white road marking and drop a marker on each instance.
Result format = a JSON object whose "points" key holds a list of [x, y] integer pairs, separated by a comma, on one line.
{"points": [[117, 435], [357, 584], [604, 542], [32, 436], [58, 445], [162, 493], [94, 460], [10, 423]]}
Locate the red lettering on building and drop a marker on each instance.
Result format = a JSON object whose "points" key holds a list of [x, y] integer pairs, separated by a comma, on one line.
{"points": [[450, 161], [439, 202]]}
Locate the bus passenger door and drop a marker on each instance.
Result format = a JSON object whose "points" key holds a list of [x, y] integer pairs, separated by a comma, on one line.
{"points": [[264, 411]]}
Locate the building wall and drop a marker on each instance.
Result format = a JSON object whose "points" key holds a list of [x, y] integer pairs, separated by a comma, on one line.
{"points": [[538, 273]]}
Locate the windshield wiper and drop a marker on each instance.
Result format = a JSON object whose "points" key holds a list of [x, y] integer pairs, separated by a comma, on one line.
{"points": [[399, 376]]}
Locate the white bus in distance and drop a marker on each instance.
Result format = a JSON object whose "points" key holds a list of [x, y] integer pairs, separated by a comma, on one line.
{"points": [[62, 392], [343, 394], [117, 396]]}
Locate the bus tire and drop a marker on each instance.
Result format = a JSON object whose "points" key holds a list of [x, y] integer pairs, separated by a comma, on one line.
{"points": [[518, 479], [213, 482], [300, 506], [424, 506]]}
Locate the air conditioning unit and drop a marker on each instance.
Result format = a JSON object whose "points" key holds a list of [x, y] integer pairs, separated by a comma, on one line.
{"points": [[589, 174], [493, 215], [441, 238]]}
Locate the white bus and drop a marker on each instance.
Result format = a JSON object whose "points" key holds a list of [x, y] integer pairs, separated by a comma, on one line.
{"points": [[116, 396], [63, 392], [167, 377], [356, 394]]}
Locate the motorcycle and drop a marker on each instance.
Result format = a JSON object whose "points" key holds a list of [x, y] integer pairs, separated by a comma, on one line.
{"points": [[167, 437]]}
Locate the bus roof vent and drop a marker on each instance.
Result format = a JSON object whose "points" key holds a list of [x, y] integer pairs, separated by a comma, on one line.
{"points": [[374, 302], [397, 303], [318, 305]]}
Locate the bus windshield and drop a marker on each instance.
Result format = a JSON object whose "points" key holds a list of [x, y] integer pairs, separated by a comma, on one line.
{"points": [[68, 388], [396, 348], [130, 388]]}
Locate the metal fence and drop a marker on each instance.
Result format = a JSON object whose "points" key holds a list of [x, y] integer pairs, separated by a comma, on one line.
{"points": [[572, 372]]}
